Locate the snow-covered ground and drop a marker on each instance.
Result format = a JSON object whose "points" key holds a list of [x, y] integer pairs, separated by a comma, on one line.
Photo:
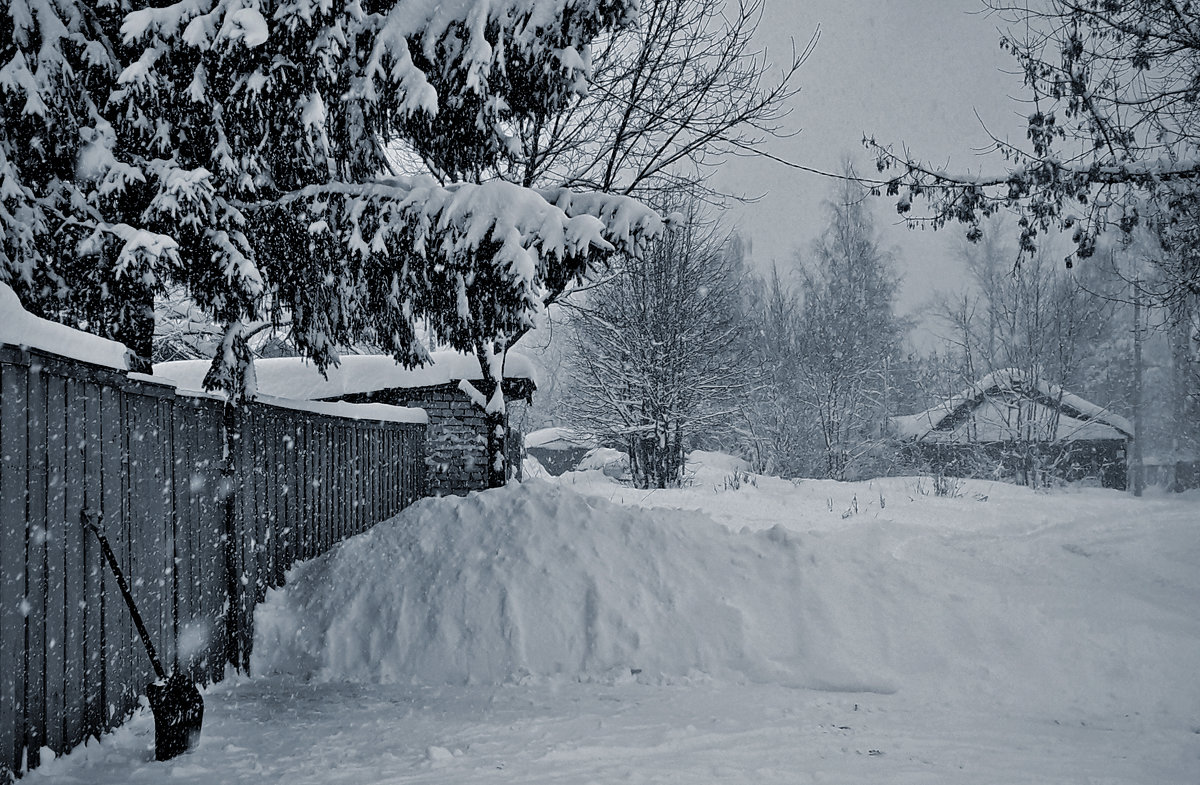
{"points": [[743, 629]]}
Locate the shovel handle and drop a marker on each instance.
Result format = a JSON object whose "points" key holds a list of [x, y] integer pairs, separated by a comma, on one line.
{"points": [[88, 517]]}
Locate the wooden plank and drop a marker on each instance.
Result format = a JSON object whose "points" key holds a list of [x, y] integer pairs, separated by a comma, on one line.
{"points": [[56, 513], [167, 579], [294, 494], [245, 542], [212, 554], [345, 492], [278, 488], [372, 445], [340, 496], [93, 566], [36, 591], [304, 495], [330, 481], [268, 492], [183, 419], [361, 513], [14, 454], [143, 569], [317, 453], [112, 501], [74, 570], [263, 496]]}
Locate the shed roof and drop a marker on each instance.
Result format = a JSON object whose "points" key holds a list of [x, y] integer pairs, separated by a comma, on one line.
{"points": [[298, 378], [1078, 420]]}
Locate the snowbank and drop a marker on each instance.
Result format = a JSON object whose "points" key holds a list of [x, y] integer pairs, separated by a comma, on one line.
{"points": [[533, 579], [536, 580]]}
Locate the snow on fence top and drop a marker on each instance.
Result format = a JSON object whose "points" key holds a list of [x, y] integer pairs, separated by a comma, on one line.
{"points": [[1011, 379], [298, 379], [18, 327], [379, 412]]}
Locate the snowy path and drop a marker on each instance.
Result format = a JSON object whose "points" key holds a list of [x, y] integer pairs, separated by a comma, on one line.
{"points": [[281, 731]]}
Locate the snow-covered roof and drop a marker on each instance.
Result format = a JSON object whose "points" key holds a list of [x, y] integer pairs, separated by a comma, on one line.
{"points": [[298, 379], [559, 439], [1078, 419], [18, 327]]}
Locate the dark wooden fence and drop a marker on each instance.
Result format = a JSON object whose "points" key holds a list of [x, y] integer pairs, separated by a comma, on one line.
{"points": [[200, 537]]}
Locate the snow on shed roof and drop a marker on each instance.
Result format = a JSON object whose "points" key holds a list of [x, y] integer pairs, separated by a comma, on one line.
{"points": [[297, 378], [557, 438], [18, 327], [1011, 379]]}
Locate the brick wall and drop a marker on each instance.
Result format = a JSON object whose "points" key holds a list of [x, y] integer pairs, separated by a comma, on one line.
{"points": [[457, 437]]}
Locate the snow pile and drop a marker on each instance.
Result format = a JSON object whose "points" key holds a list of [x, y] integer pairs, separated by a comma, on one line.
{"points": [[952, 601], [534, 579]]}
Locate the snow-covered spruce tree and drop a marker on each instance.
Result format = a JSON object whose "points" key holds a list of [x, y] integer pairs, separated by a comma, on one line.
{"points": [[237, 147], [77, 238], [658, 361], [848, 337]]}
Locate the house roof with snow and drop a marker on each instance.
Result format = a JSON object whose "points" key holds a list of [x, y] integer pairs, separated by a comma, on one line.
{"points": [[298, 378], [1010, 404]]}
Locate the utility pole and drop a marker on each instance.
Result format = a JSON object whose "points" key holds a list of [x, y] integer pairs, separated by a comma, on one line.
{"points": [[1135, 458]]}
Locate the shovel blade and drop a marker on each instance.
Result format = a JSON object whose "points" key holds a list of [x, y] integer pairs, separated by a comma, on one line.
{"points": [[178, 713]]}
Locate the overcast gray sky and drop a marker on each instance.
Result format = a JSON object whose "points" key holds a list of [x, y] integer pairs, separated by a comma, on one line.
{"points": [[904, 71]]}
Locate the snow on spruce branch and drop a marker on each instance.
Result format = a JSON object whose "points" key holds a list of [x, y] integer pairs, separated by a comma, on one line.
{"points": [[455, 220]]}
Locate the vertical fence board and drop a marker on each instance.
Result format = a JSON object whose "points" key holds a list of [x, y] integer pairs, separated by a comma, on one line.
{"points": [[112, 504], [165, 476], [266, 498], [143, 533], [210, 548], [36, 591], [74, 567], [246, 543], [271, 479], [182, 419], [93, 567], [56, 512], [14, 454], [287, 477]]}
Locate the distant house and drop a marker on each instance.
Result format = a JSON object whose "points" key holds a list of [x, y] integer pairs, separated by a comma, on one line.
{"points": [[457, 430], [558, 450], [1011, 425]]}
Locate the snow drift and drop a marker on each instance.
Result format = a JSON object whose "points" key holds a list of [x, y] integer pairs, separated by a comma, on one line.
{"points": [[538, 581], [535, 580]]}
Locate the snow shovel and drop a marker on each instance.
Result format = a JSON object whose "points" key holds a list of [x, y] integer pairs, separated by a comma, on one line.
{"points": [[175, 702]]}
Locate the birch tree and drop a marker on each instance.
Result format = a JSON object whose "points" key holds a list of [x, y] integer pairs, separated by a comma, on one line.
{"points": [[658, 362], [848, 336]]}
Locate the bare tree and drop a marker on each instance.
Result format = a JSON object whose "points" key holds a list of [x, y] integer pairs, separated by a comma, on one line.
{"points": [[827, 346], [1034, 316], [1111, 127], [657, 361], [850, 334], [669, 100], [772, 428]]}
